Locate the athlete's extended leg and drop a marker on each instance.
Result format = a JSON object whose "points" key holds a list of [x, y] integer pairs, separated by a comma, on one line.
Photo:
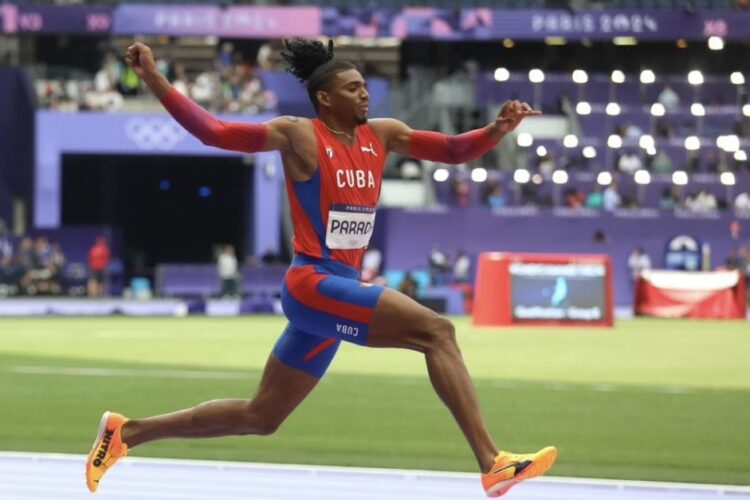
{"points": [[399, 321], [281, 389]]}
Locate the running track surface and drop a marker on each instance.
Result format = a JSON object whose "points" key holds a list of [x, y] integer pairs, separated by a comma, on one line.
{"points": [[61, 477]]}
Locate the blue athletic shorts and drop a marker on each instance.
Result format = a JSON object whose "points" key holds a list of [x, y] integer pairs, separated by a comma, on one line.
{"points": [[325, 303]]}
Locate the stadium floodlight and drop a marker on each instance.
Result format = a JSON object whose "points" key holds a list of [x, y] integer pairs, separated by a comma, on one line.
{"points": [[559, 177], [541, 151], [580, 76], [521, 176], [441, 175], [695, 77], [715, 43], [642, 177], [727, 178], [612, 109], [658, 109], [570, 141], [604, 179], [537, 178], [589, 152], [740, 155], [729, 143], [614, 141], [508, 43], [502, 75], [479, 174], [583, 108], [737, 78], [651, 151], [697, 109], [646, 142], [618, 76], [647, 77], [692, 143], [746, 110], [525, 139], [680, 178], [536, 75]]}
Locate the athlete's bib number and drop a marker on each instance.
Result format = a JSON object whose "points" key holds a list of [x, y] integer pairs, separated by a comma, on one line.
{"points": [[349, 226]]}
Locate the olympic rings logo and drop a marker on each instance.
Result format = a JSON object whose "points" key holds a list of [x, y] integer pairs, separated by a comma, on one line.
{"points": [[154, 133]]}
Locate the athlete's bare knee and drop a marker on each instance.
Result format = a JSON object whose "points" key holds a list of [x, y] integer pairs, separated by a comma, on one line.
{"points": [[258, 421], [441, 334]]}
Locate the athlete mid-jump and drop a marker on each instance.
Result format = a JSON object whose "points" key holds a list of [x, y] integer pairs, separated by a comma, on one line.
{"points": [[333, 166]]}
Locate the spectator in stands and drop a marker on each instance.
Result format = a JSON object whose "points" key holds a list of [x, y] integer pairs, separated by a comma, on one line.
{"points": [[717, 163], [667, 200], [701, 202], [633, 131], [595, 199], [179, 78], [228, 271], [611, 198], [547, 165], [98, 261], [461, 192], [496, 197], [629, 162], [669, 98], [638, 261], [26, 262], [742, 202], [409, 286], [461, 268], [7, 270], [661, 163], [56, 266], [439, 266], [371, 262], [574, 198]]}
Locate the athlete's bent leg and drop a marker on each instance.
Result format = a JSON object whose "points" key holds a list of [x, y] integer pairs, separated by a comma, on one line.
{"points": [[399, 321], [281, 390]]}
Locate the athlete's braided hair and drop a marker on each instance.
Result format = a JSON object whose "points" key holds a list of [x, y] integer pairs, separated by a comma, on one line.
{"points": [[313, 63]]}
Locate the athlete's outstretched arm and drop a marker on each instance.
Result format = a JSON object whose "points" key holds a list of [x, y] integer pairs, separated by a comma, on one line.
{"points": [[235, 136], [434, 146]]}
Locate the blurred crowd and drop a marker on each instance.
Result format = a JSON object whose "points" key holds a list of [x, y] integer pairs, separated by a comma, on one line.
{"points": [[35, 267]]}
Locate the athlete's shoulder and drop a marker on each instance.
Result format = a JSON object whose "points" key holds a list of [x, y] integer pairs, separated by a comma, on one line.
{"points": [[390, 131], [288, 122]]}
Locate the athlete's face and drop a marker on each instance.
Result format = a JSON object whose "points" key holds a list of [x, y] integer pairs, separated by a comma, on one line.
{"points": [[348, 96]]}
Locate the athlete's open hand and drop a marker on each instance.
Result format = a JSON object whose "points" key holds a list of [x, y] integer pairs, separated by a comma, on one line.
{"points": [[511, 114], [141, 59]]}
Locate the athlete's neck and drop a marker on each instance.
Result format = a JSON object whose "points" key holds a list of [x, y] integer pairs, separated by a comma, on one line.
{"points": [[345, 132]]}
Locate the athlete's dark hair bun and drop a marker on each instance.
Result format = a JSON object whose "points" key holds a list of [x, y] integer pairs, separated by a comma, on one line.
{"points": [[303, 57]]}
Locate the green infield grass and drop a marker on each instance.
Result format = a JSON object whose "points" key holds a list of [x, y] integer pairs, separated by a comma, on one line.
{"points": [[648, 399]]}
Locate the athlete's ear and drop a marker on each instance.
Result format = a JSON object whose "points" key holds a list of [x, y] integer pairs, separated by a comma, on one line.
{"points": [[324, 99]]}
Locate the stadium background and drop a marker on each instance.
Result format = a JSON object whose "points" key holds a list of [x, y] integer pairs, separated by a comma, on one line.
{"points": [[86, 151]]}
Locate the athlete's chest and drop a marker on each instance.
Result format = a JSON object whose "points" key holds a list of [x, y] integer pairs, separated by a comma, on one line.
{"points": [[352, 173]]}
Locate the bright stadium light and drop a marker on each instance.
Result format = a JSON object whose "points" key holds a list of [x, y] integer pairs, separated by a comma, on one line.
{"points": [[651, 151], [580, 76], [521, 176], [740, 155], [695, 77], [441, 175], [479, 174], [715, 43], [646, 142], [525, 139], [541, 151], [589, 152], [697, 109], [614, 141], [729, 143], [536, 75], [680, 178], [502, 75], [537, 178], [727, 178], [746, 110], [657, 109], [647, 77], [642, 177], [618, 76], [604, 179], [737, 78], [570, 141], [583, 108], [692, 143], [559, 177], [612, 109]]}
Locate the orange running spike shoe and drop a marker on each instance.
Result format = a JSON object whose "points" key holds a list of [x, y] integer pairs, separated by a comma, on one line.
{"points": [[510, 469], [108, 448]]}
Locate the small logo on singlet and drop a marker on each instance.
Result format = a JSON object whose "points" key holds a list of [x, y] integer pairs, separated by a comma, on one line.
{"points": [[329, 152], [370, 150]]}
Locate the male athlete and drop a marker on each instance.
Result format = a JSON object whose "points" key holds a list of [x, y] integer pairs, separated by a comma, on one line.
{"points": [[333, 166]]}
